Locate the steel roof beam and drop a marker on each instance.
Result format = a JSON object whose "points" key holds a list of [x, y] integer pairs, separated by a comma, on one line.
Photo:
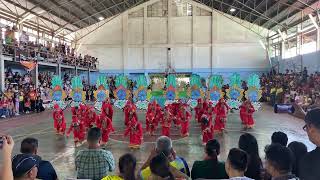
{"points": [[45, 18]]}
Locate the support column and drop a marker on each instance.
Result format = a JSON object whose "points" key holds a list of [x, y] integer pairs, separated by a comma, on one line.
{"points": [[193, 39], [125, 41], [298, 41], [89, 76], [169, 34], [59, 70], [2, 73], [318, 39], [212, 47], [76, 70], [145, 38], [36, 69]]}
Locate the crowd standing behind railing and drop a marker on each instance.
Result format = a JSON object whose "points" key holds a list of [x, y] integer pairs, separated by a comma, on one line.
{"points": [[28, 50]]}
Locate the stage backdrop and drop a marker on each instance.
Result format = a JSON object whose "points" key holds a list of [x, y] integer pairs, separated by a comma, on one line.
{"points": [[183, 34]]}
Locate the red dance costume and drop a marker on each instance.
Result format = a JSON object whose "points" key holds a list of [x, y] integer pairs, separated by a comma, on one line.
{"points": [[243, 113], [207, 129], [199, 110], [107, 109], [221, 110], [184, 118], [129, 108], [249, 112], [59, 120], [91, 118], [77, 127], [105, 124], [166, 124], [135, 133]]}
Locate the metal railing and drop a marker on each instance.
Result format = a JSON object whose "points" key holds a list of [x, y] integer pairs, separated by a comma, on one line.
{"points": [[40, 53]]}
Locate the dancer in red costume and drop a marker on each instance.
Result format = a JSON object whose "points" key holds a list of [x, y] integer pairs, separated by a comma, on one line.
{"points": [[184, 118], [129, 108], [107, 109], [221, 110], [166, 123], [91, 118], [135, 133], [198, 110], [210, 111], [105, 124], [83, 114], [243, 114], [77, 127], [207, 129], [249, 123], [59, 120]]}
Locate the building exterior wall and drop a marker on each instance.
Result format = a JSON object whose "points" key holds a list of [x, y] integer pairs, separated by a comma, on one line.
{"points": [[155, 35]]}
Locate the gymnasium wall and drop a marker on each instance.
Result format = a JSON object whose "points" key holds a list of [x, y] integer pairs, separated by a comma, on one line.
{"points": [[139, 41]]}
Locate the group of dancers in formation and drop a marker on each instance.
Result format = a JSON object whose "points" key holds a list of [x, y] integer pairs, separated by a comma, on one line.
{"points": [[177, 114]]}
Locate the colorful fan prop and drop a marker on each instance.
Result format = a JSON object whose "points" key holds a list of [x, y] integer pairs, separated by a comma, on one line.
{"points": [[214, 92], [195, 92], [57, 93], [77, 94], [121, 93], [140, 93], [171, 89], [102, 92], [254, 93], [234, 93]]}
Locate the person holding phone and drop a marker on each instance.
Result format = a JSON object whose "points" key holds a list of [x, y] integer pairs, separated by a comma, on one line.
{"points": [[6, 147]]}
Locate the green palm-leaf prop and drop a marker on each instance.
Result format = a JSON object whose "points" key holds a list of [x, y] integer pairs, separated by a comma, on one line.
{"points": [[76, 83], [171, 80], [235, 80], [183, 94], [254, 81], [56, 81], [195, 80], [121, 80], [102, 81], [142, 81], [215, 80]]}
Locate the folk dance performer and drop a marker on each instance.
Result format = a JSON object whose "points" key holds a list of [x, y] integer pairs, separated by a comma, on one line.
{"points": [[105, 124], [59, 120], [166, 122], [77, 127], [249, 123], [91, 117], [221, 110], [135, 132], [184, 118], [207, 129], [107, 109]]}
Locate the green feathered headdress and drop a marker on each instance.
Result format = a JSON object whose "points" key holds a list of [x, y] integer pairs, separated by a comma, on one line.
{"points": [[215, 81], [235, 80], [56, 83], [171, 81], [142, 81], [195, 80], [102, 82], [121, 80], [76, 83], [254, 81]]}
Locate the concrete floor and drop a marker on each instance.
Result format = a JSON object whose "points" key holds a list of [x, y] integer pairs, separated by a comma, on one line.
{"points": [[60, 151]]}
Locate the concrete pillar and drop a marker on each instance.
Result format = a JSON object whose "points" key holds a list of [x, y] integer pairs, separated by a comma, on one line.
{"points": [[76, 70], [89, 76], [124, 41], [318, 39], [283, 49], [145, 37], [59, 70], [299, 41], [169, 33], [193, 39], [36, 72], [212, 47], [2, 73]]}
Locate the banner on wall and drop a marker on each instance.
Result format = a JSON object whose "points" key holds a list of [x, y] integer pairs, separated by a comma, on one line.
{"points": [[29, 65]]}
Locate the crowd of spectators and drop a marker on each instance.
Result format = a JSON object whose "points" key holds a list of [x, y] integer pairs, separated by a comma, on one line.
{"points": [[24, 49], [301, 88], [282, 161]]}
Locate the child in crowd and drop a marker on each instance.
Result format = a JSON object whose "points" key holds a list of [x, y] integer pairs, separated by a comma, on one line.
{"points": [[27, 105], [11, 108]]}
